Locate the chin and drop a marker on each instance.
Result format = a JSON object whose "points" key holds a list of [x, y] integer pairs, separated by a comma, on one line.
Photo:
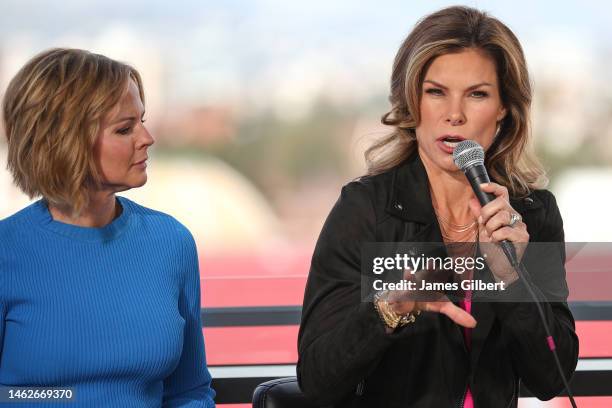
{"points": [[441, 160], [446, 163], [451, 169], [140, 182], [134, 183]]}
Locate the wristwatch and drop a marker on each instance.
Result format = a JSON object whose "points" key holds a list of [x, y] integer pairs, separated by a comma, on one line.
{"points": [[388, 315]]}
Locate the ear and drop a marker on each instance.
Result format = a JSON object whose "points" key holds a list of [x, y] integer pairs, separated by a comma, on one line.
{"points": [[501, 114]]}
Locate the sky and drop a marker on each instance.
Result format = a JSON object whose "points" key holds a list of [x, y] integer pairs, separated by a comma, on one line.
{"points": [[280, 53], [283, 55]]}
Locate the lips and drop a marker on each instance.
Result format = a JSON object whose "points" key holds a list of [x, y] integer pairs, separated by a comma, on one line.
{"points": [[141, 161], [451, 138], [448, 142]]}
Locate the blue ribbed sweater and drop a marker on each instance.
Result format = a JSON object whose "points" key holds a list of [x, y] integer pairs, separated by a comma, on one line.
{"points": [[112, 312]]}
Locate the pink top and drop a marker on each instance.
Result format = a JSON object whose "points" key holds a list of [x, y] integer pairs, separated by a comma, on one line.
{"points": [[466, 304]]}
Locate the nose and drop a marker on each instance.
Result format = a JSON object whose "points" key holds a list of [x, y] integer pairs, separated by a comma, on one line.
{"points": [[146, 139], [455, 115]]}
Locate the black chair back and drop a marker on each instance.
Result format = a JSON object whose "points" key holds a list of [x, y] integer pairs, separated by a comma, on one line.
{"points": [[280, 393]]}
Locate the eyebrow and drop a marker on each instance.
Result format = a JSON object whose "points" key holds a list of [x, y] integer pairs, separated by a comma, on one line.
{"points": [[468, 88], [130, 118]]}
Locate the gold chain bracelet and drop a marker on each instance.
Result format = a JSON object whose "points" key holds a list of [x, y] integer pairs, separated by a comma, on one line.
{"points": [[389, 317]]}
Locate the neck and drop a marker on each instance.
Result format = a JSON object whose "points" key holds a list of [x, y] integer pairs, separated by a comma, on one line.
{"points": [[101, 210], [450, 191]]}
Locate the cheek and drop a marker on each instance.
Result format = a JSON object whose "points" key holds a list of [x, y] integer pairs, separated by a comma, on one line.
{"points": [[484, 116], [114, 156], [429, 121], [485, 113], [487, 134], [429, 112]]}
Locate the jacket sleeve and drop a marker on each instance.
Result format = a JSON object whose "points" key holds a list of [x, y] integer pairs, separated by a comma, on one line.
{"points": [[189, 384], [521, 323], [341, 338]]}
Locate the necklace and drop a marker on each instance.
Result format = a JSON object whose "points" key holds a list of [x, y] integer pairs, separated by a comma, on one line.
{"points": [[454, 227], [448, 224], [462, 248], [453, 237]]}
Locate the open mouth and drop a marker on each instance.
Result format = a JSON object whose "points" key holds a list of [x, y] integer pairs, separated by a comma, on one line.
{"points": [[452, 141]]}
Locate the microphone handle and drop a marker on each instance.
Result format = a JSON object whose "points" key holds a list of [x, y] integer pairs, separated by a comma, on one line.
{"points": [[478, 175]]}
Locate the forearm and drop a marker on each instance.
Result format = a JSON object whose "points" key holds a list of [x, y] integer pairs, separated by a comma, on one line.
{"points": [[331, 366]]}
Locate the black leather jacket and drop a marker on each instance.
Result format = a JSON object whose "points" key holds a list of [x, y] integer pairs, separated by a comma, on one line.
{"points": [[347, 359]]}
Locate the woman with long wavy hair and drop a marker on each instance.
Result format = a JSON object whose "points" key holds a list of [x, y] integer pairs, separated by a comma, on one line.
{"points": [[459, 75]]}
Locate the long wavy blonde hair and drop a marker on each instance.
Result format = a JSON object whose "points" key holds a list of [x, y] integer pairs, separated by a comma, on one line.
{"points": [[52, 111], [510, 159]]}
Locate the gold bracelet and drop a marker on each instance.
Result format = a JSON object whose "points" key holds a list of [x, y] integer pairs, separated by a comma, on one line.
{"points": [[388, 315]]}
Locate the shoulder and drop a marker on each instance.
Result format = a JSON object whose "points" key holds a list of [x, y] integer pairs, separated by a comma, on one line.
{"points": [[16, 222], [360, 204], [547, 198], [371, 188], [552, 225], [541, 199], [376, 183], [14, 229], [541, 214], [358, 196], [157, 222]]}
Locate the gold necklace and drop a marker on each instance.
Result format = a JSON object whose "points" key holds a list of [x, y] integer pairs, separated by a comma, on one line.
{"points": [[448, 236], [455, 227], [448, 223]]}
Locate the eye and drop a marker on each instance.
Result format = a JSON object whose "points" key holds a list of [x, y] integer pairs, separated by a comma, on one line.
{"points": [[480, 94], [124, 131], [434, 91]]}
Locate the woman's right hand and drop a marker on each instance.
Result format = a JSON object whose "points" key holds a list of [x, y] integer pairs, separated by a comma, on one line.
{"points": [[405, 301]]}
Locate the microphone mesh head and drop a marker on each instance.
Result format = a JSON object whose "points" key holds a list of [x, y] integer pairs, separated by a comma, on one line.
{"points": [[468, 153]]}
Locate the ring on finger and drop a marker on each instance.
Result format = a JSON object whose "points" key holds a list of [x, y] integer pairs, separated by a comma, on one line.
{"points": [[514, 218]]}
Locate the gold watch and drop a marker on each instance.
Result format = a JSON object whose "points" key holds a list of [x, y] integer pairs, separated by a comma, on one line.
{"points": [[388, 315]]}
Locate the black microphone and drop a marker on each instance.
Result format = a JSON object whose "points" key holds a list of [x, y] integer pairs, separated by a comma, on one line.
{"points": [[469, 157]]}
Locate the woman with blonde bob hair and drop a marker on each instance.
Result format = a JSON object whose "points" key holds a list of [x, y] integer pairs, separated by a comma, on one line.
{"points": [[99, 296], [459, 75]]}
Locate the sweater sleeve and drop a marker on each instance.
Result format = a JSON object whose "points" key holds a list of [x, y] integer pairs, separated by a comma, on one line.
{"points": [[4, 295], [521, 322], [189, 385]]}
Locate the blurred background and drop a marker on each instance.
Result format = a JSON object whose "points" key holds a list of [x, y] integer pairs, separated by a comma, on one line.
{"points": [[262, 110]]}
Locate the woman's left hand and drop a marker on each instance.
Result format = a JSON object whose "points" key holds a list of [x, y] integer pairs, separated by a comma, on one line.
{"points": [[494, 221]]}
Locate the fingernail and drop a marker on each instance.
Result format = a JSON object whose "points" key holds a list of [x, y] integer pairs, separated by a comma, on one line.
{"points": [[480, 219], [484, 184]]}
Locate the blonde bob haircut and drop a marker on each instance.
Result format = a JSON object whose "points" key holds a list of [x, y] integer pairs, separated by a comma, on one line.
{"points": [[510, 160], [52, 111]]}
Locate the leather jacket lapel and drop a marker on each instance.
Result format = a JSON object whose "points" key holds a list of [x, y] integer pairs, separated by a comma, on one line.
{"points": [[410, 200]]}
